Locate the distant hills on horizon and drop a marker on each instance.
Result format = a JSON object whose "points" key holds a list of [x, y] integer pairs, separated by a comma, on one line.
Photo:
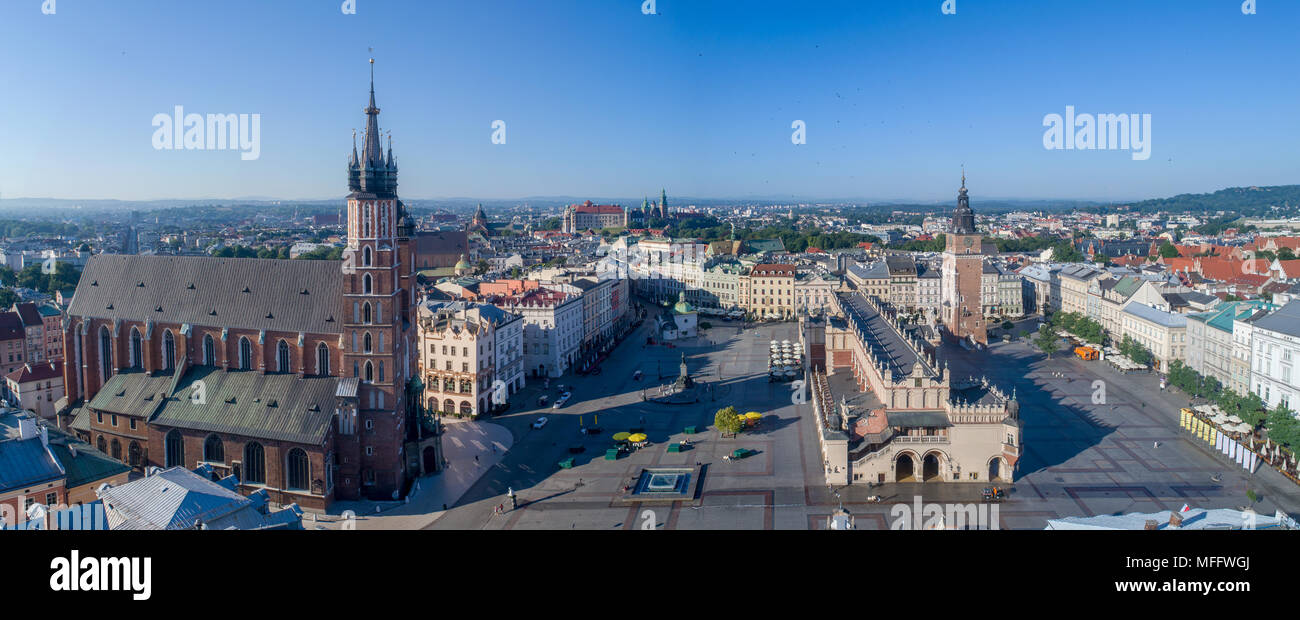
{"points": [[1228, 199]]}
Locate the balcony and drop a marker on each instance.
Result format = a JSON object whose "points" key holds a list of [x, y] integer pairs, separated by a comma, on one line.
{"points": [[922, 439]]}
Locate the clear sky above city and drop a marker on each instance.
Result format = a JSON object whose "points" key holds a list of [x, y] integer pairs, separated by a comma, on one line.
{"points": [[599, 99]]}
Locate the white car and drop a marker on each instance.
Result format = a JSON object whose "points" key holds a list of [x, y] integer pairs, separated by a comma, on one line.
{"points": [[564, 398], [539, 422]]}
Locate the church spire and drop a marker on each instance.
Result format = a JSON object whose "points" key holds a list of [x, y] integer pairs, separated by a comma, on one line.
{"points": [[372, 153], [371, 172]]}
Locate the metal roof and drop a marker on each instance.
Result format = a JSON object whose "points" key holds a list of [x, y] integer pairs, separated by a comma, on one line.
{"points": [[171, 499], [24, 462], [918, 419], [242, 293], [132, 392], [1159, 317], [1285, 321], [273, 406]]}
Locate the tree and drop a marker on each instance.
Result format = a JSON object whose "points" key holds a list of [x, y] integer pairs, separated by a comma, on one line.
{"points": [[1283, 427], [1135, 351], [1285, 253], [323, 253], [7, 298], [1167, 250], [727, 420], [1065, 252], [1047, 342]]}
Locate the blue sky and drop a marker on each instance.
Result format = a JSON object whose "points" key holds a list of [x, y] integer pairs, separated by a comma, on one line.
{"points": [[602, 100]]}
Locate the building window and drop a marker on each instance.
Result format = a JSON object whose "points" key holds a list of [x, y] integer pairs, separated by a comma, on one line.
{"points": [[169, 351], [102, 444], [322, 360], [299, 470], [254, 463], [365, 312], [370, 372], [366, 286], [133, 454], [282, 357], [105, 354], [209, 351], [245, 353], [365, 257], [213, 450], [365, 342], [136, 349], [174, 446]]}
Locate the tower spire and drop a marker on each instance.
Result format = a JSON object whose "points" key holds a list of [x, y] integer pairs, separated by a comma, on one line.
{"points": [[374, 155]]}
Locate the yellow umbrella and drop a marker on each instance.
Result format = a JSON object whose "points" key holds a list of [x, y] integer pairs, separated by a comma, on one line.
{"points": [[621, 436], [753, 415], [639, 437]]}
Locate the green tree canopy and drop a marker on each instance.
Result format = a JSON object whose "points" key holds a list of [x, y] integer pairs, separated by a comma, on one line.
{"points": [[1047, 341], [727, 420]]}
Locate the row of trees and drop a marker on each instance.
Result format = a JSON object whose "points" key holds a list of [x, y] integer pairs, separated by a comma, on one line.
{"points": [[1079, 325], [794, 238], [64, 276], [1134, 350], [1281, 423]]}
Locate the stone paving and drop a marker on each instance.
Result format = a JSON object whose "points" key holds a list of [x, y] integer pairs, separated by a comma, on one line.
{"points": [[1081, 459], [471, 450]]}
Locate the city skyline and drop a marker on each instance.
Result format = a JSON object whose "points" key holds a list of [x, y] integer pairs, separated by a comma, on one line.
{"points": [[603, 100]]}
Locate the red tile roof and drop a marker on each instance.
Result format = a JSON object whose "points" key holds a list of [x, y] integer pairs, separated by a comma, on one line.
{"points": [[40, 372]]}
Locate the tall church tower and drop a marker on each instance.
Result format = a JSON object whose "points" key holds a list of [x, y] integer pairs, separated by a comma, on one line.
{"points": [[963, 267], [378, 298]]}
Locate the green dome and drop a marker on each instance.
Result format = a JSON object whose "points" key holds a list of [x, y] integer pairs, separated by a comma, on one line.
{"points": [[683, 306], [463, 264]]}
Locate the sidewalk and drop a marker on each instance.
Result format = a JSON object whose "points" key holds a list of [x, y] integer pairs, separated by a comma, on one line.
{"points": [[462, 442]]}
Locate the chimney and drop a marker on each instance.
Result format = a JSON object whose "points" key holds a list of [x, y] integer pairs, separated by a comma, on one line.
{"points": [[26, 427], [1175, 519]]}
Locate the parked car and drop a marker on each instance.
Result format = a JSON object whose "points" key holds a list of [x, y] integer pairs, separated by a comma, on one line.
{"points": [[539, 422], [559, 402]]}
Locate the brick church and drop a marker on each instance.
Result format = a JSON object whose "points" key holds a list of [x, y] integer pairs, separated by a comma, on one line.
{"points": [[291, 374]]}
